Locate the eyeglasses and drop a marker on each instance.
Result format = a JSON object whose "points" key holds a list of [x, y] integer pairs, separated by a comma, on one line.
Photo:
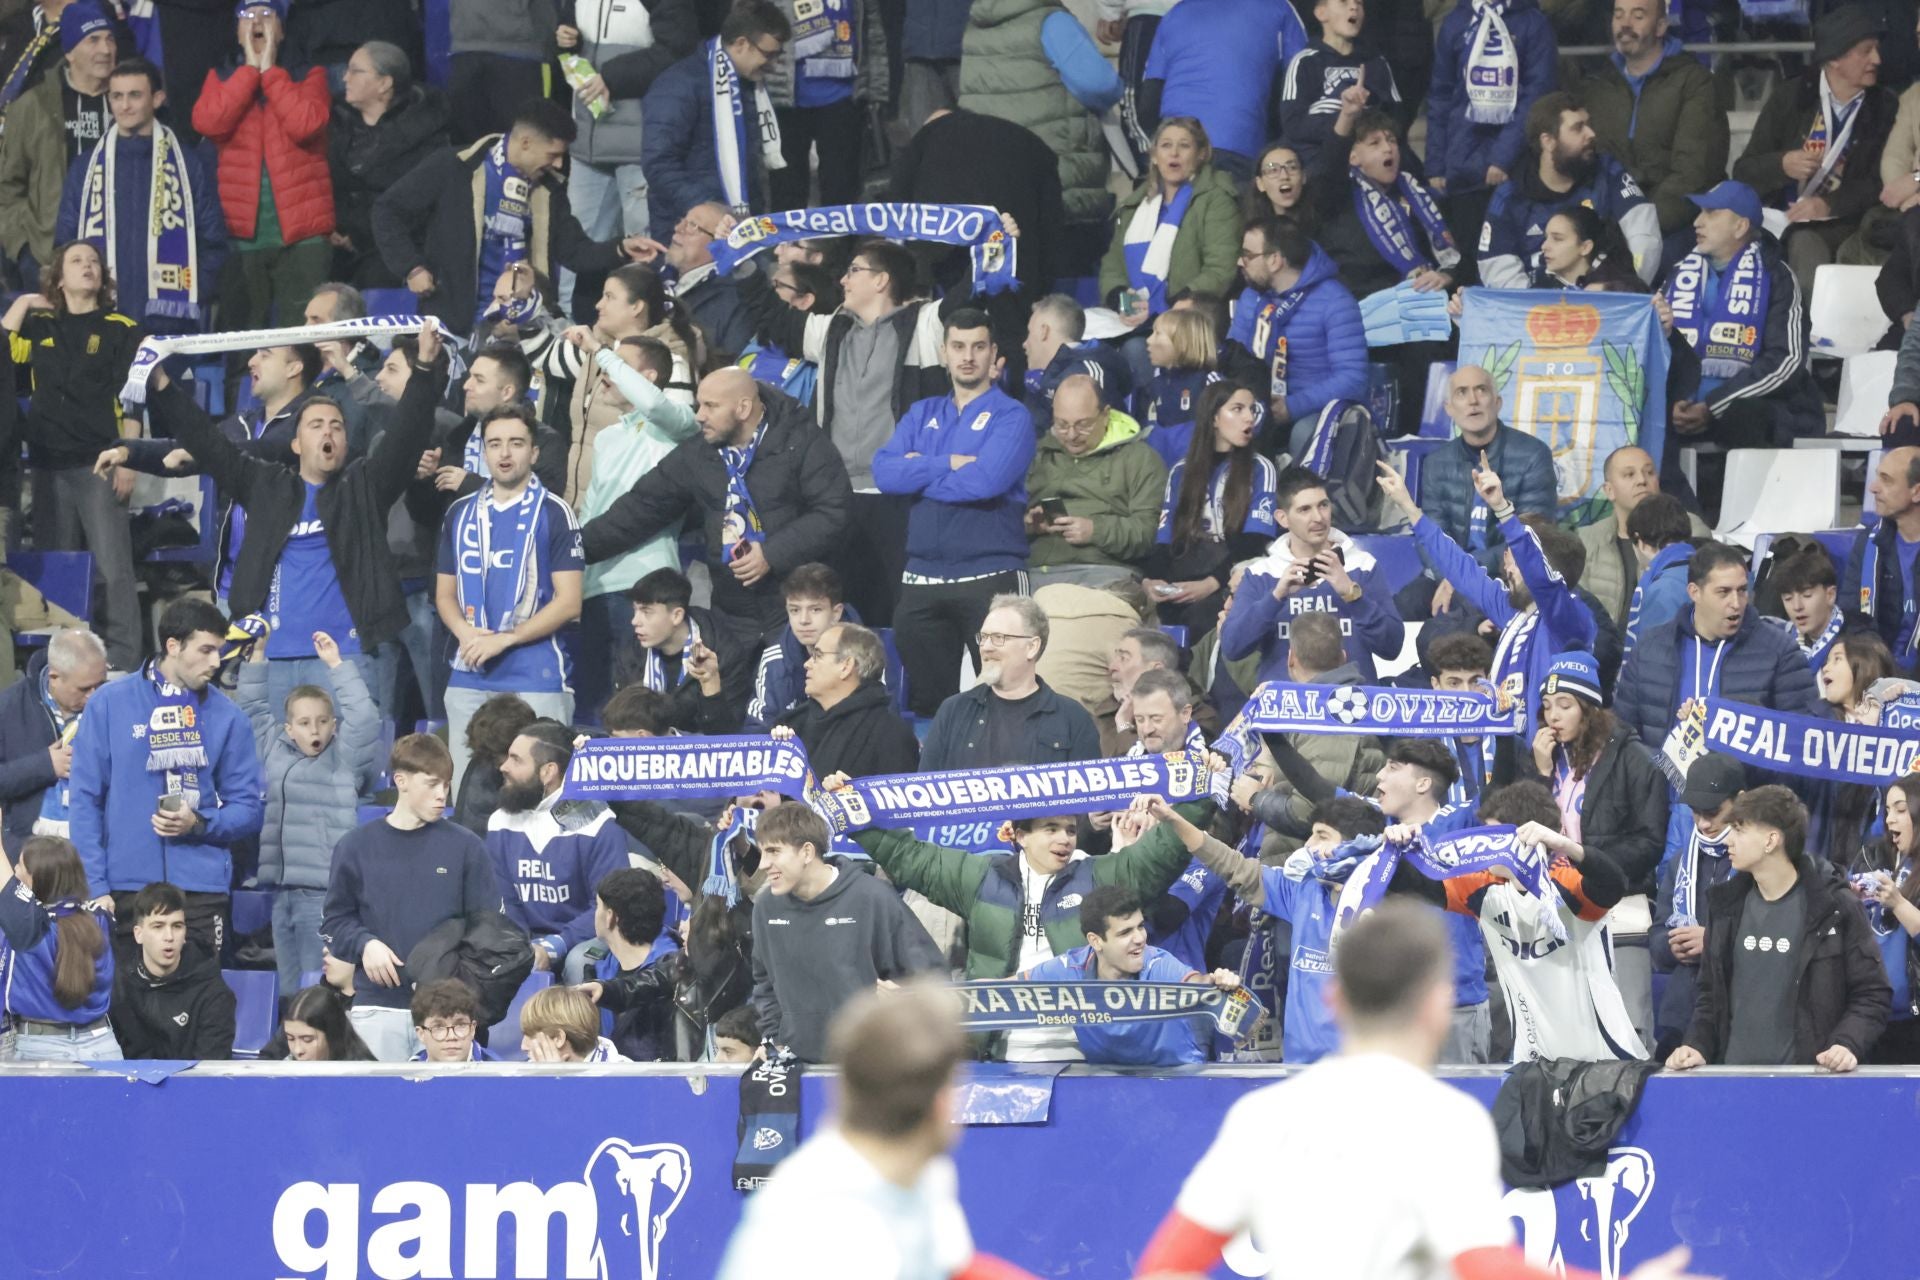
{"points": [[998, 639], [769, 54], [1279, 166], [815, 651], [445, 1032], [855, 268], [1246, 254], [688, 224], [786, 290]]}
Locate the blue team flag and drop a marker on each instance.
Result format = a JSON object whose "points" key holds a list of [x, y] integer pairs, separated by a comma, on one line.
{"points": [[1586, 372]]}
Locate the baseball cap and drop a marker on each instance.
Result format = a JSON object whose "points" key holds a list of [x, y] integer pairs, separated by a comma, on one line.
{"points": [[1712, 781], [1737, 196], [278, 8]]}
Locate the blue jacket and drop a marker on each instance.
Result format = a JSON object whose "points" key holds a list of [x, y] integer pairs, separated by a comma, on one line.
{"points": [[1885, 598], [1257, 621], [968, 520], [1166, 1043], [1199, 891], [113, 794], [1165, 408], [1308, 1029], [1564, 622], [1457, 149], [1325, 353], [26, 771], [1516, 224], [32, 952], [1104, 364], [676, 149], [780, 680], [1524, 464], [132, 187], [549, 861], [933, 29], [1762, 664], [1660, 593]]}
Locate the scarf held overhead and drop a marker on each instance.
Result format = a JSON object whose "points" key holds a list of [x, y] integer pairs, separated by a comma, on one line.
{"points": [[1475, 850], [1280, 707], [1016, 791], [173, 252], [153, 350], [685, 768], [1012, 1004], [980, 228], [1807, 746]]}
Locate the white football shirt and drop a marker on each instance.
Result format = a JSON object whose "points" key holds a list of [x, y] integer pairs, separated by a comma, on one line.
{"points": [[1358, 1168]]}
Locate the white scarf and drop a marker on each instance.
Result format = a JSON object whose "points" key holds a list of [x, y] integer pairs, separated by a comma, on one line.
{"points": [[173, 269], [1836, 140], [1493, 70], [727, 108]]}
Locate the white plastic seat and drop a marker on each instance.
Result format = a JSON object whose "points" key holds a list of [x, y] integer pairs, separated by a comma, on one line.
{"points": [[1846, 315], [1778, 491], [1865, 381]]}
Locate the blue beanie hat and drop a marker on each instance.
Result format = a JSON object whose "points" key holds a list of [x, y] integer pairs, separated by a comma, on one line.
{"points": [[80, 21], [1575, 673]]}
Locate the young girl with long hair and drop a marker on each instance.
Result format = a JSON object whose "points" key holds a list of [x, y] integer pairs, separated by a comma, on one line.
{"points": [[57, 964], [1218, 510]]}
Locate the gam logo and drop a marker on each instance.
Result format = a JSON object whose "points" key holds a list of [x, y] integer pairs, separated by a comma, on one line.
{"points": [[612, 1223]]}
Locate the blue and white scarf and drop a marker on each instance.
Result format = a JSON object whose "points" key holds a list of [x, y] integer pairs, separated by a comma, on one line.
{"points": [[1828, 137], [506, 216], [1148, 244], [54, 801], [1468, 852], [1013, 791], [174, 746], [654, 676], [1389, 223], [980, 228], [155, 349], [737, 822], [1492, 68], [740, 522], [1691, 876], [173, 244], [1319, 455], [1007, 1004], [731, 133], [473, 527], [1270, 335], [1278, 706], [608, 769], [1808, 746], [823, 39], [1726, 332], [1816, 649]]}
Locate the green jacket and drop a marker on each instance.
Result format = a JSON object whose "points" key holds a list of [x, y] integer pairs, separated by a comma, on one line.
{"points": [[988, 891], [1678, 145], [1004, 72], [33, 168], [1206, 249], [1119, 485]]}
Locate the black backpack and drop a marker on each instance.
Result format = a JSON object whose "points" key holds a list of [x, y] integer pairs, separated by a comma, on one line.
{"points": [[1345, 451]]}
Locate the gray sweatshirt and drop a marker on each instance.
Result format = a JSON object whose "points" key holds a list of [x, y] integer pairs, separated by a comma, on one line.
{"points": [[809, 958]]}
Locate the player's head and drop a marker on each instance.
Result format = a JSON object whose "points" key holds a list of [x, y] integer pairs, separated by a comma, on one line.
{"points": [[897, 1051], [1393, 978]]}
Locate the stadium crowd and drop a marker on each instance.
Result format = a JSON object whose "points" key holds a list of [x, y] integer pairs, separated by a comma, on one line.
{"points": [[611, 489]]}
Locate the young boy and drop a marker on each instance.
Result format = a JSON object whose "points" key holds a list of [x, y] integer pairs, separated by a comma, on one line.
{"points": [[1809, 592], [1304, 894], [636, 976], [317, 766], [684, 653], [1696, 861], [1321, 75], [446, 1014], [736, 1035], [160, 1008], [1459, 662], [815, 602], [396, 880], [1773, 990]]}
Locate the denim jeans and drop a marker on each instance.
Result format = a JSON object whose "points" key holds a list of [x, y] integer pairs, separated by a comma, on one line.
{"points": [[388, 1032], [76, 1045], [610, 203], [296, 935], [462, 703], [416, 644], [606, 620]]}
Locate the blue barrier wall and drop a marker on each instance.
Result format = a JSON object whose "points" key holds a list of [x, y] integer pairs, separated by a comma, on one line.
{"points": [[219, 1175]]}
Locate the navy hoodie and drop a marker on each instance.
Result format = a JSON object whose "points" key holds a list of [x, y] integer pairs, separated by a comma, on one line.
{"points": [[968, 520]]}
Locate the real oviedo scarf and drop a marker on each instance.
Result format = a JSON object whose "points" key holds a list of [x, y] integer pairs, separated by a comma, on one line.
{"points": [[175, 748], [1725, 330], [1148, 244], [473, 541], [730, 128], [173, 261], [1388, 215], [1493, 70]]}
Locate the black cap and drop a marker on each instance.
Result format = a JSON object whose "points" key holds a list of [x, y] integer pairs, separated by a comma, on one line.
{"points": [[1842, 29], [1712, 781]]}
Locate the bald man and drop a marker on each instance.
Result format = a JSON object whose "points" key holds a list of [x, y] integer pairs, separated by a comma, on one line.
{"points": [[1093, 492], [1630, 475], [1447, 495], [1880, 578], [769, 487]]}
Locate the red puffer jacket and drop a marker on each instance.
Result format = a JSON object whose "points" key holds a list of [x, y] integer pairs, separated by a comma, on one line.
{"points": [[250, 116]]}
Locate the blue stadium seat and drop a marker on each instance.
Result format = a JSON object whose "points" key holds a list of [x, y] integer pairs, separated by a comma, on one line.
{"points": [[1434, 422], [1176, 634], [1398, 556], [311, 978], [896, 672], [504, 1040], [391, 302], [252, 911], [65, 578], [1838, 543], [205, 551], [256, 993], [373, 812]]}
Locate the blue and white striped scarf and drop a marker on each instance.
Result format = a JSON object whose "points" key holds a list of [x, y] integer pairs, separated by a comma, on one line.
{"points": [[173, 242], [1148, 245], [473, 527]]}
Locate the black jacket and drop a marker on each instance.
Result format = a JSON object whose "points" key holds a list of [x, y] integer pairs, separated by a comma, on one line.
{"points": [[692, 710], [1624, 811], [365, 159], [354, 503], [76, 364], [26, 770], [1788, 113], [1780, 373], [426, 219], [860, 736], [186, 1015], [1843, 994], [1057, 729], [641, 1002], [1762, 665], [484, 949], [967, 158], [799, 487]]}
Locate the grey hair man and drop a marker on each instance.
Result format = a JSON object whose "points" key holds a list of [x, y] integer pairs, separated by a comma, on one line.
{"points": [[1011, 716], [847, 721], [38, 718]]}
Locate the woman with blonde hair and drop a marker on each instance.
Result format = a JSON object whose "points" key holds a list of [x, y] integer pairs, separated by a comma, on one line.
{"points": [[562, 1024], [1184, 351]]}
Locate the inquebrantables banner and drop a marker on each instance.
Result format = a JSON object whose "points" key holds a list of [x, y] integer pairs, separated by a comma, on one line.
{"points": [[607, 769], [1584, 372]]}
